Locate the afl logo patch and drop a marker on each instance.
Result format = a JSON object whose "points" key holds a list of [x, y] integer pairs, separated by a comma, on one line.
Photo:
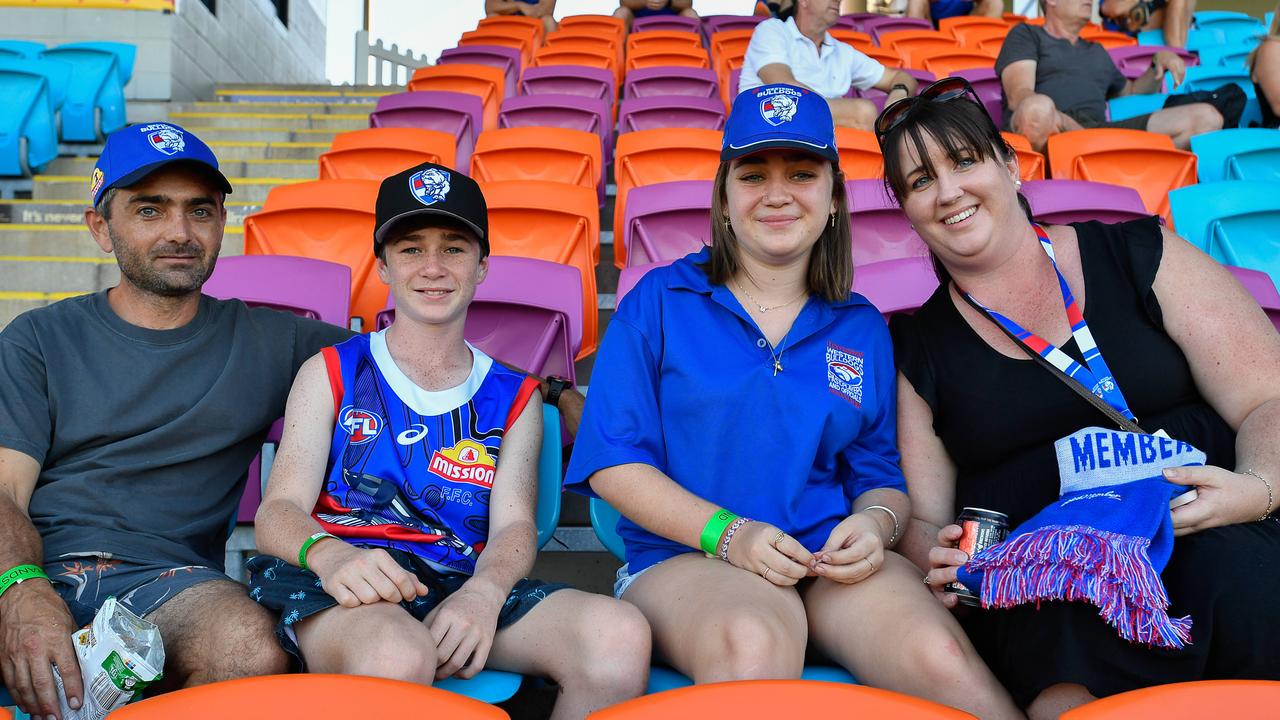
{"points": [[429, 186], [845, 369], [361, 425]]}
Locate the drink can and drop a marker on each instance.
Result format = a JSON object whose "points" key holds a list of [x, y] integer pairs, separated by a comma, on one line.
{"points": [[982, 529]]}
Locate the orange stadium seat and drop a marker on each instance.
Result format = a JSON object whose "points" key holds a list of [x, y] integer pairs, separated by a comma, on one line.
{"points": [[860, 41], [549, 154], [549, 221], [645, 157], [884, 56], [312, 695], [601, 25], [377, 153], [973, 36], [667, 54], [664, 38], [915, 49], [990, 45], [860, 156], [575, 51], [946, 63], [1145, 161], [502, 37], [1186, 701], [515, 24], [1030, 162], [778, 698], [328, 220], [958, 24], [1107, 38], [486, 83], [730, 44], [580, 39]]}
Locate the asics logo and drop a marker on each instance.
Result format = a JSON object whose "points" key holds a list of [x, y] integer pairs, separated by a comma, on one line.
{"points": [[415, 433]]}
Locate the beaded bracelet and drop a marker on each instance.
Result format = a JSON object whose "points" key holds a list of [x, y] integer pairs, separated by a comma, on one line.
{"points": [[1271, 498], [728, 535]]}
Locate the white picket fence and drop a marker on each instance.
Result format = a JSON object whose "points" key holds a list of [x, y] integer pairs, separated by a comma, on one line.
{"points": [[391, 66]]}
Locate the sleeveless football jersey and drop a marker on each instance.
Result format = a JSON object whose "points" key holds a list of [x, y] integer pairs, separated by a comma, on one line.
{"points": [[412, 469]]}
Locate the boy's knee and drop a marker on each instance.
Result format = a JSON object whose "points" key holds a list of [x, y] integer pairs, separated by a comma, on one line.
{"points": [[615, 645], [396, 657]]}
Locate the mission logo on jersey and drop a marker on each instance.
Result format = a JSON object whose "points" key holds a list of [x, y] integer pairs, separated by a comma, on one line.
{"points": [[468, 462]]}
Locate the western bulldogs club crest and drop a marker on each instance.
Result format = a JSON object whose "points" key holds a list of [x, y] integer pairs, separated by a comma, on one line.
{"points": [[165, 138], [430, 186], [778, 108], [361, 425], [844, 373]]}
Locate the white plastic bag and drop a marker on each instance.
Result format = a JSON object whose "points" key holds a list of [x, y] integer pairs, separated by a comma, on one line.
{"points": [[119, 654]]}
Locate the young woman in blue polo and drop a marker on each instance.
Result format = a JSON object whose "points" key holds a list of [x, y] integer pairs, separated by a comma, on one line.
{"points": [[742, 419]]}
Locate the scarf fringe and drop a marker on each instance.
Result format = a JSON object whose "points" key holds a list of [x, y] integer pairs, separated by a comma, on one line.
{"points": [[1077, 562]]}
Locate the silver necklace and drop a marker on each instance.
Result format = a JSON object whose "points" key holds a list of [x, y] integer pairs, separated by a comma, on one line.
{"points": [[762, 308], [775, 354]]}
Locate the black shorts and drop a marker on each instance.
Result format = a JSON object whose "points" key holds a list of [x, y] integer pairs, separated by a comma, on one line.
{"points": [[295, 593]]}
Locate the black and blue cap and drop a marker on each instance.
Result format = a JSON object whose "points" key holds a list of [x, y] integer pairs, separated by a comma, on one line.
{"points": [[430, 189], [779, 116], [134, 152]]}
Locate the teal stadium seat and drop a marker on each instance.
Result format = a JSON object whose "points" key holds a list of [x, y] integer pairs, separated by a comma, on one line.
{"points": [[21, 49], [1231, 55], [95, 104], [604, 520], [1123, 107], [1204, 77], [1234, 221], [1238, 154], [28, 132], [1196, 38], [125, 54]]}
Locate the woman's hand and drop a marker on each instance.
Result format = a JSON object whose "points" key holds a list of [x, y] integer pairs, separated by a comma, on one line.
{"points": [[765, 550], [945, 559], [1222, 498], [853, 552]]}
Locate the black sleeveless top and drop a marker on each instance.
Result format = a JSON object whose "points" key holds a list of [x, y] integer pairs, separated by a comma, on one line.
{"points": [[998, 417]]}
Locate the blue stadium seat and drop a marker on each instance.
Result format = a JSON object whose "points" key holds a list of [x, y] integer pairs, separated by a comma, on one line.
{"points": [[1211, 78], [28, 134], [56, 72], [1231, 55], [95, 98], [1234, 25], [1238, 154], [124, 52], [1124, 107], [1196, 38], [20, 49], [1234, 221], [7, 701], [604, 520]]}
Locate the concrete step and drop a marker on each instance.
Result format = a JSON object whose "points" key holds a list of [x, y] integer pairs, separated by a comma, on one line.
{"points": [[51, 274], [243, 106], [14, 303], [303, 93], [70, 241], [298, 121], [301, 169], [73, 187], [230, 150], [265, 133], [71, 212]]}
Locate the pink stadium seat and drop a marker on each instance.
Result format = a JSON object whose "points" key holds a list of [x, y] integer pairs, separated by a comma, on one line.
{"points": [[880, 230], [1133, 60], [875, 27], [1057, 202], [672, 111], [712, 24], [1263, 289], [666, 81], [667, 221], [629, 276], [987, 85], [572, 112], [505, 58], [923, 77], [896, 286], [595, 83], [677, 23], [458, 114]]}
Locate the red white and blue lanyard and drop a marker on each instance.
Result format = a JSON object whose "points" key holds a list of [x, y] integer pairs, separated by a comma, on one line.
{"points": [[1094, 373]]}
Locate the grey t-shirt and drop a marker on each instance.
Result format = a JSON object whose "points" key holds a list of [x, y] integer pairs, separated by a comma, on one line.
{"points": [[1078, 77], [144, 436]]}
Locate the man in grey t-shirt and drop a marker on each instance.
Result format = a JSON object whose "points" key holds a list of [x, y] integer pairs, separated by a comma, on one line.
{"points": [[127, 421], [1054, 81]]}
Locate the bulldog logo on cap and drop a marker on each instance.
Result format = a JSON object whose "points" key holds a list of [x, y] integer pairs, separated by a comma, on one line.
{"points": [[165, 138], [777, 109], [429, 186]]}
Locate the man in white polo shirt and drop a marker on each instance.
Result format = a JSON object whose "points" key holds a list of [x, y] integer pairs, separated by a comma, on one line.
{"points": [[799, 51]]}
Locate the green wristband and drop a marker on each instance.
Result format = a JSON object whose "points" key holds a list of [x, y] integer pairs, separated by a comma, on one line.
{"points": [[18, 574], [711, 532], [306, 545]]}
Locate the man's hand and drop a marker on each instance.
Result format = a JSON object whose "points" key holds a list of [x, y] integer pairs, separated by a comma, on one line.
{"points": [[362, 576], [1170, 62], [35, 635], [463, 626]]}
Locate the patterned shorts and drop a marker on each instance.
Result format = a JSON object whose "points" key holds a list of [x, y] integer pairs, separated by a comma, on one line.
{"points": [[86, 580], [295, 593]]}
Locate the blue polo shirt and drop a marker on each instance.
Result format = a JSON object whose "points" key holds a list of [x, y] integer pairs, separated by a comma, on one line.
{"points": [[684, 382]]}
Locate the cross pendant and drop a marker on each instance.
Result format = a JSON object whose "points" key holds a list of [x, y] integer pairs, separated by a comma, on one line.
{"points": [[777, 366]]}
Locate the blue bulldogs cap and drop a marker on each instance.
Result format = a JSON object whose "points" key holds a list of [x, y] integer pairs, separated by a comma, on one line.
{"points": [[136, 151], [779, 116]]}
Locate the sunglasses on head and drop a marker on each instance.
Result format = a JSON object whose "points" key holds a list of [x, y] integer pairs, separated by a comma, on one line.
{"points": [[942, 91]]}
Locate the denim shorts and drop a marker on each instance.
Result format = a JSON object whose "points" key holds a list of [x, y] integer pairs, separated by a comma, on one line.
{"points": [[86, 580], [296, 594], [624, 578]]}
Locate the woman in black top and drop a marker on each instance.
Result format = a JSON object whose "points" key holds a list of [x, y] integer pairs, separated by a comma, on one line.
{"points": [[1191, 352]]}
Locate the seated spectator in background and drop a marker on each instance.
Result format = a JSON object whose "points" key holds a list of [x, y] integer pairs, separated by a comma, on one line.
{"points": [[1133, 16], [800, 51], [935, 10], [541, 9], [1055, 81], [127, 421], [400, 508], [629, 10], [1264, 67]]}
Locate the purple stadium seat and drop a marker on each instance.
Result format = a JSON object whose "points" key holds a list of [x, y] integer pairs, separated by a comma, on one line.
{"points": [[1056, 202], [628, 278], [847, 22], [667, 221], [677, 23], [506, 58], [856, 20], [734, 76], [1261, 287], [665, 81], [987, 85], [526, 313], [459, 114], [574, 112], [875, 27], [895, 286], [1133, 60], [671, 111], [880, 230], [923, 77], [712, 24], [595, 83], [311, 288]]}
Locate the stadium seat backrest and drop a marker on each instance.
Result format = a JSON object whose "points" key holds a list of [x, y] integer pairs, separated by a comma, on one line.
{"points": [[1057, 202], [664, 38], [667, 81], [972, 36], [327, 220], [986, 83], [860, 156], [458, 114], [95, 105], [506, 58], [484, 82], [517, 24], [655, 56], [646, 157], [1133, 60], [900, 285], [945, 63], [554, 222], [667, 221], [1206, 698], [1262, 288], [956, 25], [1147, 162], [577, 52], [859, 41], [1211, 78], [26, 113], [674, 111], [666, 23], [502, 37], [584, 39], [728, 44], [1232, 220], [125, 55], [880, 229], [56, 72], [1108, 39], [915, 49], [590, 82], [1238, 154], [549, 154], [377, 153], [574, 112], [22, 48], [885, 56], [1031, 165], [877, 27], [312, 694], [1227, 55], [1123, 107], [606, 25], [712, 24], [627, 279]]}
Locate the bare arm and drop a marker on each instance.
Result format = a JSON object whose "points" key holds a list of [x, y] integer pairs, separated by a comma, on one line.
{"points": [[1019, 82], [35, 624], [930, 474], [503, 7], [1266, 69], [775, 73]]}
